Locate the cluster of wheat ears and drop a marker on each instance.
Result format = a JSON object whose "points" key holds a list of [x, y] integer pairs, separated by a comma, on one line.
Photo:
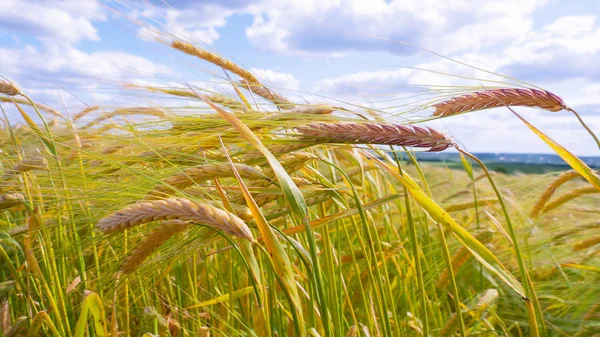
{"points": [[247, 179]]}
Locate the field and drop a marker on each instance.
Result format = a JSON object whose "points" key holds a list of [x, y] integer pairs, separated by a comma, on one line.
{"points": [[253, 215]]}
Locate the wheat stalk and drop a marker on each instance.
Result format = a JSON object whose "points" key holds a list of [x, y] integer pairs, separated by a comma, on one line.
{"points": [[561, 179], [175, 208], [376, 133], [151, 242], [203, 172], [498, 98]]}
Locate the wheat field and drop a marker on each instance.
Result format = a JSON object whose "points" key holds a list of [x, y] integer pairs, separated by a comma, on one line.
{"points": [[254, 215]]}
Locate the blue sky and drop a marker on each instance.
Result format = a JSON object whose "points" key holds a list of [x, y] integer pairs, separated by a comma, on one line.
{"points": [[74, 53]]}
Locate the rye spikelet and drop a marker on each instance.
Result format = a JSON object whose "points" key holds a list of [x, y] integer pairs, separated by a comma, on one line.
{"points": [[563, 199], [175, 208], [204, 172], [151, 242], [214, 59], [9, 88], [561, 179], [40, 106], [11, 200], [376, 133], [498, 98]]}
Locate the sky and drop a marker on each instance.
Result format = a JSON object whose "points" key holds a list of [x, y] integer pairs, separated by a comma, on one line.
{"points": [[387, 55]]}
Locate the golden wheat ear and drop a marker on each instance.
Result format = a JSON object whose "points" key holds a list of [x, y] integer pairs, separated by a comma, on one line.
{"points": [[9, 88], [175, 209], [376, 133], [499, 98], [151, 242]]}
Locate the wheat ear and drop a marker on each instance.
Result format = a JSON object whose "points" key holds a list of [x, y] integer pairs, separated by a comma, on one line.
{"points": [[9, 88], [377, 133], [11, 200], [203, 172], [586, 244], [215, 59], [151, 242], [498, 98], [561, 179], [85, 112], [577, 229], [275, 150], [175, 208], [569, 196], [25, 165]]}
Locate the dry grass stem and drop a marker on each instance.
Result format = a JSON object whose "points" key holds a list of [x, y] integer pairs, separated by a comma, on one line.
{"points": [[376, 133], [498, 98], [175, 208]]}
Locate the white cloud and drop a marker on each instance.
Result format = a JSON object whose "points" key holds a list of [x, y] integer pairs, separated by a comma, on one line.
{"points": [[59, 21], [197, 22], [276, 80], [317, 26]]}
